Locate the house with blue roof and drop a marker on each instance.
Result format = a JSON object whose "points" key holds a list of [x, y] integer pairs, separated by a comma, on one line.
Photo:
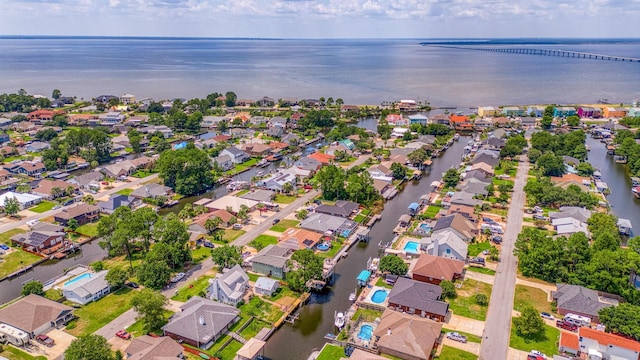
{"points": [[348, 144], [413, 209], [418, 119]]}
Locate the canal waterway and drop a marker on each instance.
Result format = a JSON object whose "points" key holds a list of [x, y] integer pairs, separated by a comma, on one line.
{"points": [[617, 177], [316, 318]]}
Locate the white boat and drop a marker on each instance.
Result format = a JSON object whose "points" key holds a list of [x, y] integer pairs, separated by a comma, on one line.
{"points": [[352, 296], [456, 137], [260, 173], [262, 163], [339, 319]]}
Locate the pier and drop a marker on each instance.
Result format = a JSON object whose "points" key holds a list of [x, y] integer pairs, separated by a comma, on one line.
{"points": [[542, 52]]}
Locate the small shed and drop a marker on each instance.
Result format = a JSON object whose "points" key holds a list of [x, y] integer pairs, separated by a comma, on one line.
{"points": [[363, 277], [413, 209], [624, 226]]}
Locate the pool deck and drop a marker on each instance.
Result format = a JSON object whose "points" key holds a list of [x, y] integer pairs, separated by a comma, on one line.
{"points": [[58, 282], [366, 301]]}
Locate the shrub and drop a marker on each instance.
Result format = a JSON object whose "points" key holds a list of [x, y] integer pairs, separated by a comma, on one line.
{"points": [[481, 299]]}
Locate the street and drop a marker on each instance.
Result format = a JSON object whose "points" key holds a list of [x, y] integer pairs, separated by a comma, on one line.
{"points": [[495, 341]]}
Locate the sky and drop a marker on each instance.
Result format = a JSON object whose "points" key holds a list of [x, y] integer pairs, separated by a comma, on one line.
{"points": [[323, 18]]}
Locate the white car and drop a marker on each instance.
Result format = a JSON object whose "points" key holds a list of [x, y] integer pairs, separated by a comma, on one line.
{"points": [[178, 277], [546, 315], [456, 337], [537, 353]]}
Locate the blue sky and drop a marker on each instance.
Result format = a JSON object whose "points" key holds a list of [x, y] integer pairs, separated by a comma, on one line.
{"points": [[323, 18]]}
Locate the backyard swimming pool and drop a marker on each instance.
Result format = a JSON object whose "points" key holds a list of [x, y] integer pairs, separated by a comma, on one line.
{"points": [[323, 247], [379, 296], [365, 333], [425, 228], [78, 278], [411, 247]]}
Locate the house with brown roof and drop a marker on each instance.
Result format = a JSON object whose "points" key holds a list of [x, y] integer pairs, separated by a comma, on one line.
{"points": [[30, 168], [35, 315], [299, 239], [418, 298], [41, 116], [434, 269], [483, 167], [39, 241], [407, 337], [256, 149], [52, 189], [458, 224], [82, 213], [147, 347]]}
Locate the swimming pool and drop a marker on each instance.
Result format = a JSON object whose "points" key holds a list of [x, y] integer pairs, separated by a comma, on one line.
{"points": [[323, 247], [379, 296], [425, 228], [78, 278], [411, 247], [365, 333]]}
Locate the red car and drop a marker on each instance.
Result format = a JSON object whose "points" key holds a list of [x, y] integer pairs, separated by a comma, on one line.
{"points": [[123, 335], [567, 326], [45, 340]]}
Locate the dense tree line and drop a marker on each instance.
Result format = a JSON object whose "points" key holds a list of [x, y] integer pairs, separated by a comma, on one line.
{"points": [[306, 266], [630, 121], [623, 319], [20, 102], [571, 144], [93, 145], [628, 147], [541, 191], [317, 119], [338, 184], [187, 171], [514, 146]]}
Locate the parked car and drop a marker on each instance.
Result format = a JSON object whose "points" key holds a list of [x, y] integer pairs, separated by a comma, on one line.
{"points": [[539, 217], [488, 220], [477, 260], [208, 244], [496, 239], [123, 335], [275, 221], [45, 340], [567, 326], [237, 226], [538, 354], [456, 337], [132, 285], [546, 315], [178, 277], [4, 247], [56, 207]]}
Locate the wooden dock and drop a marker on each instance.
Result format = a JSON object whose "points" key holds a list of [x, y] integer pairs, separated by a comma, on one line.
{"points": [[287, 316]]}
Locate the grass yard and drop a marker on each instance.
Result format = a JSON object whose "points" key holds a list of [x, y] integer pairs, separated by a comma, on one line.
{"points": [[481, 270], [284, 199], [97, 314], [5, 237], [383, 283], [194, 288], [432, 211], [43, 206], [262, 310], [335, 247], [282, 292], [88, 229], [241, 192], [263, 240], [242, 167], [367, 314], [200, 253], [451, 353], [53, 294], [360, 218], [230, 234], [125, 192], [142, 173], [499, 212], [478, 247], [15, 260], [229, 351], [283, 225], [12, 353], [137, 328], [470, 337], [331, 352], [546, 342], [530, 296], [465, 304]]}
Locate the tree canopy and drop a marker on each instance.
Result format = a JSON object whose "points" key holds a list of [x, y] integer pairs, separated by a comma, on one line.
{"points": [[85, 347], [623, 319], [33, 287], [149, 304], [187, 171], [306, 266], [394, 265]]}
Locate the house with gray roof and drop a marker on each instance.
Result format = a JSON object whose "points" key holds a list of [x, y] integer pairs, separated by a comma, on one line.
{"points": [[445, 244], [342, 208], [237, 156], [474, 186], [322, 223], [147, 347], [277, 181], [260, 195], [88, 181], [35, 315], [224, 161], [152, 190], [115, 201], [266, 286], [201, 322], [574, 212], [579, 300], [307, 163], [457, 223], [271, 261], [464, 198], [419, 298], [278, 121], [229, 287], [87, 287], [491, 158]]}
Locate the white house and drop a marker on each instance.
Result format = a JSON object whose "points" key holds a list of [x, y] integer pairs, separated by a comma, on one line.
{"points": [[229, 288], [599, 345], [224, 161], [25, 200], [111, 118], [86, 287], [276, 182], [446, 244], [266, 286], [237, 156]]}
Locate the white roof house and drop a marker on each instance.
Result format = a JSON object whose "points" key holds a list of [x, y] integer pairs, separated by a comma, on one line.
{"points": [[229, 288], [231, 202], [86, 288], [25, 200]]}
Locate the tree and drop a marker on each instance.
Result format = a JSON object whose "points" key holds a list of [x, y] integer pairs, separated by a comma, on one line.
{"points": [[187, 171], [46, 134], [481, 299], [212, 223], [394, 265], [307, 265], [573, 121], [11, 206], [302, 214], [451, 178], [154, 274], [230, 99], [149, 305], [86, 347], [226, 256], [56, 94], [33, 287], [546, 121], [332, 182], [418, 156], [551, 165], [529, 323], [622, 319], [585, 169], [448, 289], [399, 171], [116, 277], [509, 151], [72, 224], [287, 188]]}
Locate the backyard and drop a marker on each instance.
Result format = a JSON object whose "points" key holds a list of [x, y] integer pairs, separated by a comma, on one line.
{"points": [[546, 342], [283, 225], [137, 328], [15, 260], [43, 206], [284, 199], [9, 352], [331, 352], [465, 304], [197, 287], [5, 237], [262, 241], [88, 229], [95, 315], [478, 247], [231, 234]]}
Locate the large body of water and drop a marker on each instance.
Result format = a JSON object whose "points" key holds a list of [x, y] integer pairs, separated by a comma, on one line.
{"points": [[358, 71]]}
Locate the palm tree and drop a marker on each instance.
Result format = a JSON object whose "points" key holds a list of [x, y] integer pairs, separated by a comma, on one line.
{"points": [[287, 188], [212, 224], [70, 190], [56, 192], [184, 214]]}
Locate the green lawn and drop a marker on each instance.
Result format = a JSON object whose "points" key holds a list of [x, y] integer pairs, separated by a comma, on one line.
{"points": [[125, 192], [262, 310], [530, 296], [229, 352], [88, 229], [12, 353], [335, 247], [470, 337], [43, 206], [194, 288], [331, 352], [282, 292], [367, 314], [359, 218], [451, 353], [283, 225], [230, 234], [5, 237], [97, 314], [481, 270], [546, 342], [15, 260], [242, 192], [478, 247], [263, 240], [432, 211], [465, 305], [242, 167], [383, 283], [53, 294], [142, 174], [137, 328], [284, 199], [498, 182], [200, 253]]}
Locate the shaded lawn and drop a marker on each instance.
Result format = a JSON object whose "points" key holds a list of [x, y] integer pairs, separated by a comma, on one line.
{"points": [[16, 260], [530, 296], [284, 199], [194, 288], [470, 337], [137, 328], [465, 304], [263, 240], [260, 309], [200, 253], [43, 206], [478, 247], [53, 294], [88, 229], [12, 353], [331, 352], [282, 292], [359, 218], [451, 353], [481, 270], [283, 225], [97, 314], [383, 283], [545, 342]]}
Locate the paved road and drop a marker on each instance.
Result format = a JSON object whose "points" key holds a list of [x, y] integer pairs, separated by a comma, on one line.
{"points": [[495, 342], [23, 221]]}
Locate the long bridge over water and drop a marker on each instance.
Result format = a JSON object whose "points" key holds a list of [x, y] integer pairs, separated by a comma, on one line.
{"points": [[542, 52]]}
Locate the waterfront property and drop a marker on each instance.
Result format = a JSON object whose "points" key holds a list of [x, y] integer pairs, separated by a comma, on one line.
{"points": [[406, 336], [147, 347], [81, 213], [86, 287], [266, 286], [39, 241], [271, 261], [229, 287], [377, 297], [434, 269], [419, 298]]}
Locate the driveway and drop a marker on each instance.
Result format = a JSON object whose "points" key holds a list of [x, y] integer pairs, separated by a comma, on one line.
{"points": [[495, 340], [62, 340], [471, 347], [487, 279], [121, 322], [465, 324]]}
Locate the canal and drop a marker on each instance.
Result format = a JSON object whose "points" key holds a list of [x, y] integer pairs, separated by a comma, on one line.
{"points": [[621, 199], [316, 318]]}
